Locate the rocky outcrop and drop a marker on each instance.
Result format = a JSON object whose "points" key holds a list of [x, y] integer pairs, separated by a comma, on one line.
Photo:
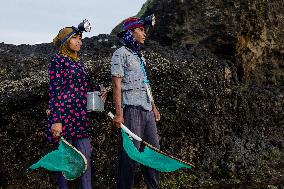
{"points": [[217, 79], [247, 32]]}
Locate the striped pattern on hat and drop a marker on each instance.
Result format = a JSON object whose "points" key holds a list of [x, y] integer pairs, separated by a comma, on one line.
{"points": [[132, 23]]}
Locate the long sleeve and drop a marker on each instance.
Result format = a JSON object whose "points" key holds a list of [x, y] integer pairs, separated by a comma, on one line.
{"points": [[55, 86]]}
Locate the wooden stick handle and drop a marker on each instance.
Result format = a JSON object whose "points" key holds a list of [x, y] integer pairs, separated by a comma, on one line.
{"points": [[147, 144], [164, 153]]}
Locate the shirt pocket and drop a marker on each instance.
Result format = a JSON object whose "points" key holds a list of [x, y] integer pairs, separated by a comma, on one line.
{"points": [[132, 63]]}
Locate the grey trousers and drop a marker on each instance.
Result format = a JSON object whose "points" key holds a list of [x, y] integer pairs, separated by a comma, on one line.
{"points": [[84, 146], [142, 123]]}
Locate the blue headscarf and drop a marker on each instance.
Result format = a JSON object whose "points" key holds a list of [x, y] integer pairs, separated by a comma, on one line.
{"points": [[131, 43]]}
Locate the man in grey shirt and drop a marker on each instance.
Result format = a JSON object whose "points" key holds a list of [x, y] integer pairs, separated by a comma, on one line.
{"points": [[134, 105]]}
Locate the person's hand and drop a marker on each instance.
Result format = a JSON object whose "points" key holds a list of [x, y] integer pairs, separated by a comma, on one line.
{"points": [[104, 93], [56, 129], [118, 120], [156, 114]]}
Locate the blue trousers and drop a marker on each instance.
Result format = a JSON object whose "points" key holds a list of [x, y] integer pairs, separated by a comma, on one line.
{"points": [[84, 146], [142, 123]]}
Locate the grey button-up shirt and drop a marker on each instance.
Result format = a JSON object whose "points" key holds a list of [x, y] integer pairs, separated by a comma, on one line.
{"points": [[126, 64]]}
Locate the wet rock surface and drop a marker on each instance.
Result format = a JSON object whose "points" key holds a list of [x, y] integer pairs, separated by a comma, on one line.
{"points": [[221, 101], [248, 32]]}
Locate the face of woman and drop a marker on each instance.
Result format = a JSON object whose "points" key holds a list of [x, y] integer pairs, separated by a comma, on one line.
{"points": [[75, 43], [139, 35]]}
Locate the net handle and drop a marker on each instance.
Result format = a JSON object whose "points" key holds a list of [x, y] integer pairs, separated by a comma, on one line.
{"points": [[126, 129], [147, 144]]}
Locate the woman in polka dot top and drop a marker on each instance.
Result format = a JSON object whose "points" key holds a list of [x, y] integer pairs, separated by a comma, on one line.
{"points": [[68, 86]]}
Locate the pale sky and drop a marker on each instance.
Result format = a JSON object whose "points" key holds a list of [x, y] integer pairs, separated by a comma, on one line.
{"points": [[37, 21]]}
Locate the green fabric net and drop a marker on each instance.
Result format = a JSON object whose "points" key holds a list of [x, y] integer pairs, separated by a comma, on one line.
{"points": [[67, 159], [150, 157]]}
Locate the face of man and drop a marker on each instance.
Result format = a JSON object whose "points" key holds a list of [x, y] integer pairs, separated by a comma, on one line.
{"points": [[75, 43], [139, 35]]}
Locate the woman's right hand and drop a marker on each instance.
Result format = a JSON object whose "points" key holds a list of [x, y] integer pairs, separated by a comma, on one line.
{"points": [[56, 129]]}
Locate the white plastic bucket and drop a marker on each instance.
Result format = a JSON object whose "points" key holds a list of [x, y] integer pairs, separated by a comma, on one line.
{"points": [[94, 102]]}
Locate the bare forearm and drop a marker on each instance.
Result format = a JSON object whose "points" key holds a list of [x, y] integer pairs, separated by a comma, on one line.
{"points": [[117, 102], [153, 105], [116, 82]]}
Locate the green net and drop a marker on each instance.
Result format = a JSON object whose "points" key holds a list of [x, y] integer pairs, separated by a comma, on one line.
{"points": [[150, 157], [66, 159]]}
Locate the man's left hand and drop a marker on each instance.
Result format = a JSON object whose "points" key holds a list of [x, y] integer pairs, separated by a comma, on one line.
{"points": [[157, 114]]}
